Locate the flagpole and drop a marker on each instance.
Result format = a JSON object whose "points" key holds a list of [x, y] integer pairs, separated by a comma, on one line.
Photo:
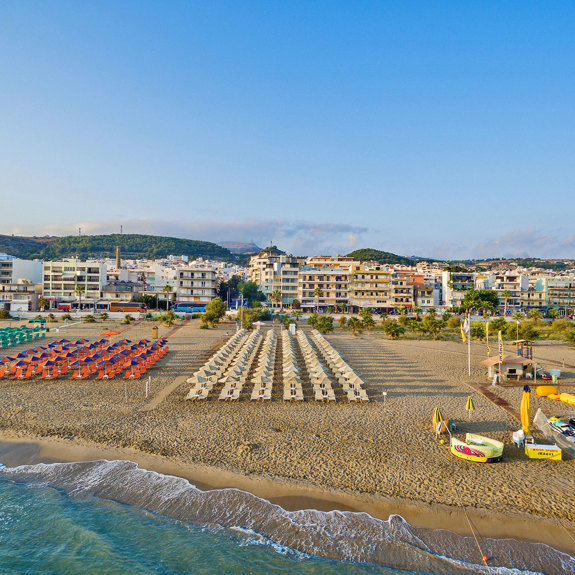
{"points": [[469, 343]]}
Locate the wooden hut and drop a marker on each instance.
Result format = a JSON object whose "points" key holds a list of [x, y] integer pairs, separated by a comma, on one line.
{"points": [[512, 367]]}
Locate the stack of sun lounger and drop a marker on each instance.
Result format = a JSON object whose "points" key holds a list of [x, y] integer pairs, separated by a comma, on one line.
{"points": [[264, 372], [290, 371], [318, 374], [208, 375], [236, 375], [353, 385]]}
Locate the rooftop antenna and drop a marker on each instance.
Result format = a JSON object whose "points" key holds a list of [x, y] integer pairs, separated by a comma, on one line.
{"points": [[79, 231], [121, 229]]}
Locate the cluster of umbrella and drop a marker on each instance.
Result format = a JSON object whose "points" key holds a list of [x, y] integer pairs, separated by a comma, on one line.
{"points": [[58, 358], [10, 336], [525, 411]]}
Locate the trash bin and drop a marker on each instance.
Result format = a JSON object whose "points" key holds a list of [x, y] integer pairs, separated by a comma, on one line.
{"points": [[554, 378], [155, 332]]}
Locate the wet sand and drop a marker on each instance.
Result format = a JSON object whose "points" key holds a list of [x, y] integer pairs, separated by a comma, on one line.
{"points": [[381, 457]]}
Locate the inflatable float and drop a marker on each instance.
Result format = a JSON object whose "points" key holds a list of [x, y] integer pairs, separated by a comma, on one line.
{"points": [[477, 448]]}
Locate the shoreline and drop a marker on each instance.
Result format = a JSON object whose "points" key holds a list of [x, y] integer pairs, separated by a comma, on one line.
{"points": [[293, 495]]}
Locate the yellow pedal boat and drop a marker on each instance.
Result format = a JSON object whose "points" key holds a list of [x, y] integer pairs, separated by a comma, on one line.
{"points": [[477, 448]]}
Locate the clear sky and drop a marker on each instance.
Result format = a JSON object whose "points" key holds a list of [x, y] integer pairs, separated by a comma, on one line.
{"points": [[440, 129]]}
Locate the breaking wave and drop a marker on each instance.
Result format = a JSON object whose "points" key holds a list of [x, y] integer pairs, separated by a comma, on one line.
{"points": [[342, 535]]}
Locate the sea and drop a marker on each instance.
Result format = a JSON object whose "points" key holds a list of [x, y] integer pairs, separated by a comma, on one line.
{"points": [[112, 517]]}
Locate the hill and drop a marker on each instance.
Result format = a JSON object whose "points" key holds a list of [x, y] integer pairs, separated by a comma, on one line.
{"points": [[241, 248], [369, 254], [133, 246]]}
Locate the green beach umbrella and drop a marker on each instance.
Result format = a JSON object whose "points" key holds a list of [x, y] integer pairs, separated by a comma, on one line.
{"points": [[469, 406]]}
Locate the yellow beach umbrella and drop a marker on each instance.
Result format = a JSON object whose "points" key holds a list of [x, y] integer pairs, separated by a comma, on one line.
{"points": [[525, 409], [469, 406], [437, 419]]}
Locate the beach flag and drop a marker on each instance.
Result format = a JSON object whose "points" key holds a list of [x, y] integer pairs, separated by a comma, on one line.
{"points": [[500, 340], [464, 329], [469, 406], [487, 338]]}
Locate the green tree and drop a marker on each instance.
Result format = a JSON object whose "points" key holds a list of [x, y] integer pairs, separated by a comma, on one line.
{"points": [[251, 292], [498, 324], [215, 311], [317, 293], [104, 316], [43, 303], [354, 325], [432, 326], [393, 329], [517, 316], [484, 299], [342, 321], [296, 313], [90, 319], [167, 290], [341, 307], [552, 313], [417, 311], [505, 294], [229, 288], [312, 320], [325, 324], [169, 318], [366, 318], [276, 297], [534, 314], [79, 290]]}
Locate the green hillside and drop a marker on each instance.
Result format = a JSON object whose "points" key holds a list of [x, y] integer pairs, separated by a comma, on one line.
{"points": [[132, 245], [369, 254]]}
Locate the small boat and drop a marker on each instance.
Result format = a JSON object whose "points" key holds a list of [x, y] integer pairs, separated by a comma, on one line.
{"points": [[477, 448], [556, 429], [538, 451]]}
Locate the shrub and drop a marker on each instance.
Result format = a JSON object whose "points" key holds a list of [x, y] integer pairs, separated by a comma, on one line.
{"points": [[499, 323], [453, 321], [128, 319], [4, 314], [325, 324], [393, 329], [104, 316], [342, 321], [90, 319]]}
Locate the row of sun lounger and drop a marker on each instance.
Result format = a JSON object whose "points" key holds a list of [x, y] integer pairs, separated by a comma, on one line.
{"points": [[232, 366], [208, 375], [264, 373], [236, 375], [292, 380], [318, 374], [352, 384]]}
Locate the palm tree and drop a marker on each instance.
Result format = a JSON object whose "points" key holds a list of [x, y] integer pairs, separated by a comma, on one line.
{"points": [[341, 307], [317, 292], [353, 324], [43, 303], [517, 316], [417, 311], [276, 297], [505, 294], [79, 290], [167, 289]]}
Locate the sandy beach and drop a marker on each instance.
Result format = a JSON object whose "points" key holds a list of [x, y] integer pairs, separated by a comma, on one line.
{"points": [[380, 457]]}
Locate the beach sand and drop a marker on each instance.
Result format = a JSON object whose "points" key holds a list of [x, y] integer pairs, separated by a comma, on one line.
{"points": [[380, 457]]}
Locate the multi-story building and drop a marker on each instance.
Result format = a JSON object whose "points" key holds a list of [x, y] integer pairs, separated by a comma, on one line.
{"points": [[535, 296], [370, 286], [76, 282], [20, 283], [561, 294], [332, 284], [508, 285], [402, 293], [276, 272], [425, 296], [454, 285], [197, 284]]}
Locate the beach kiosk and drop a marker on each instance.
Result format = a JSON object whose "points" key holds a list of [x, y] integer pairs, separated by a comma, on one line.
{"points": [[513, 367]]}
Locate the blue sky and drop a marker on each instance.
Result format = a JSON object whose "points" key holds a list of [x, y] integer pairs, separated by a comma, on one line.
{"points": [[441, 129]]}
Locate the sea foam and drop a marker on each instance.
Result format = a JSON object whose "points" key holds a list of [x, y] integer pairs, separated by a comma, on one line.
{"points": [[342, 535]]}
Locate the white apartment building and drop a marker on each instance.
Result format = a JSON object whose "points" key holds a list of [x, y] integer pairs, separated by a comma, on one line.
{"points": [[20, 283], [276, 272], [196, 284], [512, 283], [73, 280], [454, 285]]}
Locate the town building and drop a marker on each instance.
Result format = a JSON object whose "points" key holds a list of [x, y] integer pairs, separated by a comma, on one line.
{"points": [[20, 283], [196, 284], [71, 284], [273, 271]]}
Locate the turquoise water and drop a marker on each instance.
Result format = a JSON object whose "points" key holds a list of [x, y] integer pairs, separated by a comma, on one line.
{"points": [[44, 530], [113, 517]]}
